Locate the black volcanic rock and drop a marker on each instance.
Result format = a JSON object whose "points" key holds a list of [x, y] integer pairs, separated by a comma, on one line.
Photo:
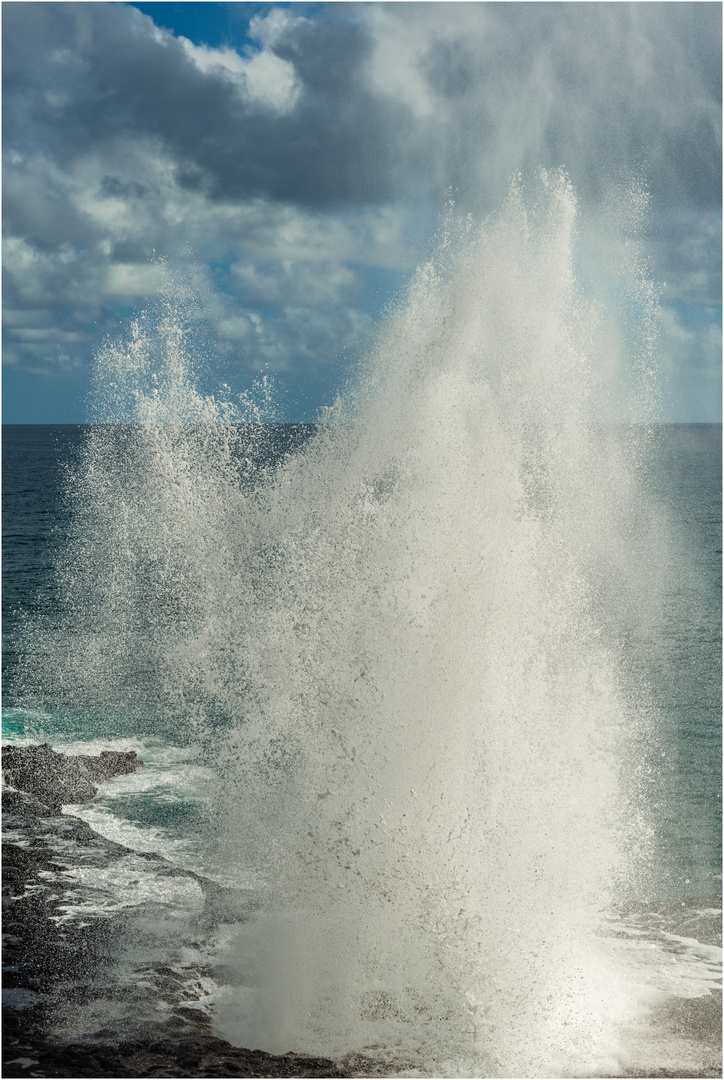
{"points": [[57, 779], [109, 763], [187, 1057], [62, 969]]}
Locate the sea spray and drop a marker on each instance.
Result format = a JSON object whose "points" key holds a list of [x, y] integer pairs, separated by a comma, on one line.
{"points": [[429, 778], [402, 648]]}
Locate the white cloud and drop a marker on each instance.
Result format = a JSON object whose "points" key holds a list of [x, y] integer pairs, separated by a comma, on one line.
{"points": [[394, 66], [132, 280], [278, 22], [49, 334], [236, 327], [262, 78]]}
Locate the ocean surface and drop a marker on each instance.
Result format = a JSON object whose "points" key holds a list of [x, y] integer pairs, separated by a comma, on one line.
{"points": [[665, 935]]}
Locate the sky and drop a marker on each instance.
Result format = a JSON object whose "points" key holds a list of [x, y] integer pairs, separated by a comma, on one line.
{"points": [[295, 159]]}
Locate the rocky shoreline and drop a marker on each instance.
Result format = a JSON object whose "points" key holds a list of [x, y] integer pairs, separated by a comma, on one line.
{"points": [[85, 994], [90, 988]]}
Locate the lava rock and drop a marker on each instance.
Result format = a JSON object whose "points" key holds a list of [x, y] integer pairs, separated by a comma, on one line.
{"points": [[187, 1058], [58, 966], [57, 779], [109, 763], [19, 866]]}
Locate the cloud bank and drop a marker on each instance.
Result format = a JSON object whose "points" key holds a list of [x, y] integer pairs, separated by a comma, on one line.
{"points": [[305, 163]]}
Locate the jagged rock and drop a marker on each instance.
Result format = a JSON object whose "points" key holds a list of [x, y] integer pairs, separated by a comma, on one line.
{"points": [[58, 968], [57, 779], [21, 802], [19, 866], [202, 1056], [109, 763], [52, 777]]}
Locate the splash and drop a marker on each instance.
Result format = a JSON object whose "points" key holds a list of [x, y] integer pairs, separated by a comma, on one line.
{"points": [[403, 641]]}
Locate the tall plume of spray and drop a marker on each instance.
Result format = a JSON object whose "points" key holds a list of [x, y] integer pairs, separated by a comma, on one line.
{"points": [[405, 644]]}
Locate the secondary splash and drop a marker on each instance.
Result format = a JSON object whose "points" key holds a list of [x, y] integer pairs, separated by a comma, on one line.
{"points": [[405, 644]]}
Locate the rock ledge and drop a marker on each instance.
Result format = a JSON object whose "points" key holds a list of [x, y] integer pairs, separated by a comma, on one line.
{"points": [[57, 779]]}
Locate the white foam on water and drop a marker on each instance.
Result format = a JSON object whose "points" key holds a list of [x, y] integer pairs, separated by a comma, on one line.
{"points": [[168, 782], [169, 778], [138, 837], [126, 806], [126, 883], [667, 964], [160, 754]]}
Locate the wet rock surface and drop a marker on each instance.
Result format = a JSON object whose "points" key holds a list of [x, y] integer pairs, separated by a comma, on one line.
{"points": [[183, 1056], [89, 986], [57, 779]]}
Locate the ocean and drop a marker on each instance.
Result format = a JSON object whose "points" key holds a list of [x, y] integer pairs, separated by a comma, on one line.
{"points": [[428, 691]]}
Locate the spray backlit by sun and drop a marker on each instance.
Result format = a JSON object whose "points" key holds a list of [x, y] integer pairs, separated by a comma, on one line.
{"points": [[402, 641]]}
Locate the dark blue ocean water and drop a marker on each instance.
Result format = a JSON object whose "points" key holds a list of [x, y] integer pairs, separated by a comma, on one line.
{"points": [[684, 656]]}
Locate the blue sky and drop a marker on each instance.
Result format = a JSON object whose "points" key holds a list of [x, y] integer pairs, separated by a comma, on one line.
{"points": [[292, 161]]}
